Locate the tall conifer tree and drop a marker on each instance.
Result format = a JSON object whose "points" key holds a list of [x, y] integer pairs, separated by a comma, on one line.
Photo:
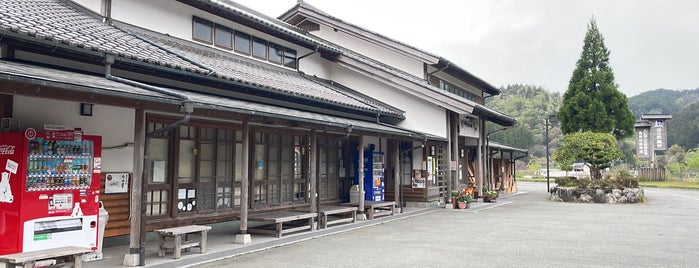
{"points": [[592, 101]]}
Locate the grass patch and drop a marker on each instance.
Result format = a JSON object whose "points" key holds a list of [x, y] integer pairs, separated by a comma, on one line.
{"points": [[530, 178], [670, 184]]}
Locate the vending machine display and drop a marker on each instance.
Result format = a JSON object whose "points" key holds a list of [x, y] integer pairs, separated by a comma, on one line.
{"points": [[49, 193], [373, 176]]}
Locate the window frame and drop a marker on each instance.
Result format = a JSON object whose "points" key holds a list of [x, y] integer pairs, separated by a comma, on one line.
{"points": [[235, 42], [223, 28], [196, 20]]}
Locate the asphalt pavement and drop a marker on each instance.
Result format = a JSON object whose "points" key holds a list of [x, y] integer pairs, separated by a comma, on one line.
{"points": [[521, 230]]}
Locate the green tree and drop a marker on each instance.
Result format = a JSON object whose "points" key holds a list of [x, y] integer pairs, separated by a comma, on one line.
{"points": [[592, 101], [596, 150]]}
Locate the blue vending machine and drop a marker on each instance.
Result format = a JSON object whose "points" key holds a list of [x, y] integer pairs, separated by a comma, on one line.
{"points": [[373, 176]]}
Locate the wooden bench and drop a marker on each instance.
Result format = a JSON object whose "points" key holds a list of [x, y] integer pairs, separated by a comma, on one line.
{"points": [[376, 208], [46, 257], [278, 218], [178, 244], [326, 214]]}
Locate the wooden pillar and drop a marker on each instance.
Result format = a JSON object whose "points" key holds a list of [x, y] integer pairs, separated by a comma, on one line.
{"points": [[396, 174], [360, 174], [135, 206], [312, 172], [448, 172], [481, 168], [244, 237], [455, 150], [245, 182]]}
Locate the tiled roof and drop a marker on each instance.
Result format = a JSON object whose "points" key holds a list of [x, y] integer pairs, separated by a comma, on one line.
{"points": [[62, 23], [236, 68], [43, 76]]}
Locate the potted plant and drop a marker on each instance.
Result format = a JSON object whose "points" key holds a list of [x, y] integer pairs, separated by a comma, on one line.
{"points": [[490, 195], [464, 200], [454, 195]]}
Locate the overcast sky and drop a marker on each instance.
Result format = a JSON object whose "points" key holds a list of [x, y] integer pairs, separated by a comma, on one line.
{"points": [[653, 43]]}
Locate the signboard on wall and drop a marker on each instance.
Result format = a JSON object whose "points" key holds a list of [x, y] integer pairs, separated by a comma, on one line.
{"points": [[658, 135], [468, 126], [642, 142], [116, 183]]}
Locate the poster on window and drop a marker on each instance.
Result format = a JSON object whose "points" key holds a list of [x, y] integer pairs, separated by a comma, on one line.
{"points": [[418, 180], [430, 169]]}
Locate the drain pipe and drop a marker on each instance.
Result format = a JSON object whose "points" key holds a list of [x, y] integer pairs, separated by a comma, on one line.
{"points": [[186, 108]]}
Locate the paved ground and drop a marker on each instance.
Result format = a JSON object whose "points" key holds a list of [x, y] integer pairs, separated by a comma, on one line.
{"points": [[523, 230]]}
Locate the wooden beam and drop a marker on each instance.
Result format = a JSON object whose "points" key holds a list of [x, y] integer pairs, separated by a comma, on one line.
{"points": [[396, 172], [245, 180], [360, 174], [137, 179], [313, 174]]}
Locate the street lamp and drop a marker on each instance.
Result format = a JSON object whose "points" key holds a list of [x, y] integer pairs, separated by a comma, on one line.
{"points": [[553, 120]]}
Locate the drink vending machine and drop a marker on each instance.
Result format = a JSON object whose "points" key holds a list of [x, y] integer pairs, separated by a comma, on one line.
{"points": [[373, 176], [49, 193]]}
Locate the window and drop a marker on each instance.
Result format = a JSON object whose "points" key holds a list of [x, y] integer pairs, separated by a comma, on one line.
{"points": [[259, 48], [194, 169], [223, 37], [202, 30], [290, 58], [242, 43], [275, 53]]}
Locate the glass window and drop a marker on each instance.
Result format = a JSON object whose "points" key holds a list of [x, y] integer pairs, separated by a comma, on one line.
{"points": [[224, 37], [290, 58], [242, 42], [157, 157], [259, 48], [202, 30], [275, 53]]}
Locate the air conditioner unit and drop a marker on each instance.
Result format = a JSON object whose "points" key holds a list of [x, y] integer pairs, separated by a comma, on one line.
{"points": [[8, 125]]}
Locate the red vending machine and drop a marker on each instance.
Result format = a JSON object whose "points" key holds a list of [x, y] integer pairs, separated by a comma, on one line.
{"points": [[49, 193]]}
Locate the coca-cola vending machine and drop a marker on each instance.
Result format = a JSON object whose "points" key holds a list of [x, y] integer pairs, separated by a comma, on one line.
{"points": [[49, 193]]}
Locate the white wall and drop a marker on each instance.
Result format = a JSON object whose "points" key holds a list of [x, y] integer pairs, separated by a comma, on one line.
{"points": [[420, 115], [115, 125], [373, 51]]}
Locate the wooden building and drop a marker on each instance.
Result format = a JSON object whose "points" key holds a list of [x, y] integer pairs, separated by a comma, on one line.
{"points": [[216, 111]]}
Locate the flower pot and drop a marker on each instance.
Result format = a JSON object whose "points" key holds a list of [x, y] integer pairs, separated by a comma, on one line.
{"points": [[462, 205]]}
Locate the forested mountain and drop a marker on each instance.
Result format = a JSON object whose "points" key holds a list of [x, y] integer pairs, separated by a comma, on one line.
{"points": [[529, 105], [662, 101]]}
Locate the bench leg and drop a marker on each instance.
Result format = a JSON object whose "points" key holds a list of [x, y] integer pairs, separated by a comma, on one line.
{"points": [[311, 223], [278, 227], [202, 243], [354, 216], [187, 238], [77, 261], [161, 248], [178, 246], [371, 213]]}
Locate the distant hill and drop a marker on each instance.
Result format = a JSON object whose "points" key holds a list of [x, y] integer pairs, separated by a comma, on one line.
{"points": [[662, 101], [530, 104]]}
